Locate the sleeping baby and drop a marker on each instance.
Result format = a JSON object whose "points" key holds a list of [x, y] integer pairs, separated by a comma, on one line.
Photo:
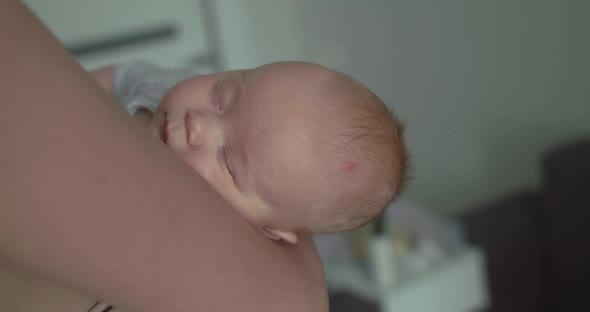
{"points": [[294, 147]]}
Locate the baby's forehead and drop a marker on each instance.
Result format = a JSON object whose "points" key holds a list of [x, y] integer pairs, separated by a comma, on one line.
{"points": [[284, 103], [291, 127], [295, 169]]}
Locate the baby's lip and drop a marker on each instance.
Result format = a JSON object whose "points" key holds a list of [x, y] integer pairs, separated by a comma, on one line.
{"points": [[164, 132], [171, 130], [163, 128]]}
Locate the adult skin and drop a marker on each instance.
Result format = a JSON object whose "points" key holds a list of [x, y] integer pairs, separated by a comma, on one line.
{"points": [[88, 199]]}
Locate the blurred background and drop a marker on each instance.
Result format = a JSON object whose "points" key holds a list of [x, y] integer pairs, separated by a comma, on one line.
{"points": [[496, 99]]}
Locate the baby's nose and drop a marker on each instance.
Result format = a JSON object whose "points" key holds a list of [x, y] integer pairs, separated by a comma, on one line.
{"points": [[196, 127]]}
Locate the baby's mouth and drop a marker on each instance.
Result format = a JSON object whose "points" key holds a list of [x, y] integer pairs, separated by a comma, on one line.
{"points": [[172, 130], [164, 131], [160, 126]]}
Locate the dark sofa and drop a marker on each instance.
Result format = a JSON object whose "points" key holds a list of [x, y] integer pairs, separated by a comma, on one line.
{"points": [[536, 242]]}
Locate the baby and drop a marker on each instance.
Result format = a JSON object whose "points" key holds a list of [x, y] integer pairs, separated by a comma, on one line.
{"points": [[295, 147]]}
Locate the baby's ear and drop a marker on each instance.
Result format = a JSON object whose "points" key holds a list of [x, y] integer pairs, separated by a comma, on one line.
{"points": [[273, 234]]}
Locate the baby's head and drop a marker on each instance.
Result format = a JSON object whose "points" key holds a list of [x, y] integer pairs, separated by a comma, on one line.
{"points": [[294, 147]]}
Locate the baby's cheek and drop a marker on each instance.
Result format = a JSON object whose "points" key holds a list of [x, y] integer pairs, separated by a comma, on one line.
{"points": [[165, 105]]}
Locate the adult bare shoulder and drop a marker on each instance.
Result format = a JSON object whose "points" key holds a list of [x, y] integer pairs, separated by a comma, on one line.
{"points": [[89, 200]]}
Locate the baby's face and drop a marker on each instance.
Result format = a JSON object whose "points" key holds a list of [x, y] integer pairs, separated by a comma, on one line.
{"points": [[249, 133]]}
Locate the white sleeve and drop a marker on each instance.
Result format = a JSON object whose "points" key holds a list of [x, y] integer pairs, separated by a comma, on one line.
{"points": [[143, 85]]}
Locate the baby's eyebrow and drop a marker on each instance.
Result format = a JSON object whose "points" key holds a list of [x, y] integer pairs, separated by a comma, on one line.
{"points": [[236, 82], [242, 78], [243, 74]]}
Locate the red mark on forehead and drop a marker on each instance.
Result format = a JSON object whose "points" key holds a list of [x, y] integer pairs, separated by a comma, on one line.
{"points": [[348, 166]]}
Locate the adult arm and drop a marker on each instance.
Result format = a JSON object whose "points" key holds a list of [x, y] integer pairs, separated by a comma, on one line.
{"points": [[89, 200], [104, 77]]}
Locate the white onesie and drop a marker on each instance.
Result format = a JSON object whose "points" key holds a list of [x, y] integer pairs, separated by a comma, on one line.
{"points": [[143, 85]]}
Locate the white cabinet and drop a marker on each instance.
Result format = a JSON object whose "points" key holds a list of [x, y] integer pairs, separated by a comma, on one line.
{"points": [[456, 284], [168, 32]]}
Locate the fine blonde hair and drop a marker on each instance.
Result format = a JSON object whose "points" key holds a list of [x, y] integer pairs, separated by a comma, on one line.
{"points": [[357, 128]]}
